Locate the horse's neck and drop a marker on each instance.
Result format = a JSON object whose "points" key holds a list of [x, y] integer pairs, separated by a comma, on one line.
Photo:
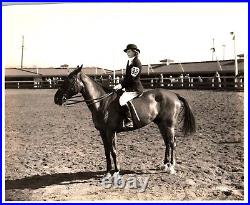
{"points": [[92, 91]]}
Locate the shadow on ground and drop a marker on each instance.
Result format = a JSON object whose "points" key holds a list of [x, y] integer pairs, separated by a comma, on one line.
{"points": [[41, 181]]}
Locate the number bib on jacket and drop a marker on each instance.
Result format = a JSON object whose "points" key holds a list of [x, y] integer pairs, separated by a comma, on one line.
{"points": [[135, 71]]}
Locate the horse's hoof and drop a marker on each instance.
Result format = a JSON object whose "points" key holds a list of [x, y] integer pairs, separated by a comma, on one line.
{"points": [[118, 178], [166, 167], [107, 175], [162, 167], [116, 174], [171, 170], [106, 180]]}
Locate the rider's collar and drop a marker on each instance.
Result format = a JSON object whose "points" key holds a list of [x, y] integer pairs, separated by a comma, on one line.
{"points": [[131, 59]]}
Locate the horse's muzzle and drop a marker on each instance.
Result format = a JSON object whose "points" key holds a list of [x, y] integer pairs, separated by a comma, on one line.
{"points": [[60, 101], [59, 98]]}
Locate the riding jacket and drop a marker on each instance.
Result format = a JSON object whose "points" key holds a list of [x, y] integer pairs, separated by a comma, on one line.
{"points": [[132, 82]]}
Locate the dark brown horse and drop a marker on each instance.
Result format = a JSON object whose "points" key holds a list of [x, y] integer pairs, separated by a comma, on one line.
{"points": [[159, 106]]}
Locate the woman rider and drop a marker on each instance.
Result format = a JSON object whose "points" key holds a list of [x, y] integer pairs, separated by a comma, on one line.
{"points": [[131, 83]]}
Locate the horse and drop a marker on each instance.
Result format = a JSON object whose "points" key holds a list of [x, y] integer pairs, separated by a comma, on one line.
{"points": [[159, 106]]}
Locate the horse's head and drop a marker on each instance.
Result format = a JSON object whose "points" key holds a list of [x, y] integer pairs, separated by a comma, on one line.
{"points": [[70, 87]]}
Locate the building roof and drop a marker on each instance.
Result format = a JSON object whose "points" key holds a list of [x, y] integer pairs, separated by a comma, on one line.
{"points": [[191, 67], [227, 66], [198, 67], [47, 72], [166, 60]]}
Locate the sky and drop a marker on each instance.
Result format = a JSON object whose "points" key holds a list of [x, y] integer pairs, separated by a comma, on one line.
{"points": [[95, 34]]}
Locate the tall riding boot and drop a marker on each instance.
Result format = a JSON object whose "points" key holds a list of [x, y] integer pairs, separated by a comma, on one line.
{"points": [[128, 122]]}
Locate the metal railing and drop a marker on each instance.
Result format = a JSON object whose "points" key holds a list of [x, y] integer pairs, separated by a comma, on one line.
{"points": [[222, 83], [226, 83], [32, 84]]}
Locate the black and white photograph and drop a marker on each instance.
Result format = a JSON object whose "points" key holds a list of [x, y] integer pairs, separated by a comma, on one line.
{"points": [[125, 102]]}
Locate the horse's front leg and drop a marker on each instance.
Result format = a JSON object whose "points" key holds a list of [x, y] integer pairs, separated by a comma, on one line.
{"points": [[107, 149], [114, 152], [112, 140]]}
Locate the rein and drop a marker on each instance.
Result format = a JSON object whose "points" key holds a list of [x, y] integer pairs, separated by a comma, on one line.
{"points": [[88, 102]]}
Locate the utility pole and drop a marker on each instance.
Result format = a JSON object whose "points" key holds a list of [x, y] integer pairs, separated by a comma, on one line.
{"points": [[114, 76], [223, 50], [149, 67], [235, 54], [22, 52], [213, 50], [182, 69], [95, 73]]}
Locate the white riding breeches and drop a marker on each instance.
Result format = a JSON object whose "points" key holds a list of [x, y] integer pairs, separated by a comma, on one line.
{"points": [[127, 96]]}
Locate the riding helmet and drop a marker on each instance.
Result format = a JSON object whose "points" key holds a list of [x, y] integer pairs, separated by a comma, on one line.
{"points": [[132, 47]]}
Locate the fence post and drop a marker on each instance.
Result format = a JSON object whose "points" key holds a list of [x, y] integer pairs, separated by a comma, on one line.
{"points": [[152, 83], [219, 82], [235, 82], [110, 80], [161, 80], [181, 80], [240, 83], [117, 80], [171, 80]]}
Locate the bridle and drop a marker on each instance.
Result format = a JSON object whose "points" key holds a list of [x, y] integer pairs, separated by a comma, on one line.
{"points": [[88, 101]]}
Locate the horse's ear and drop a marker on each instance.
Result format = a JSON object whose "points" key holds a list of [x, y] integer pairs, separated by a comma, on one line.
{"points": [[81, 65], [78, 68]]}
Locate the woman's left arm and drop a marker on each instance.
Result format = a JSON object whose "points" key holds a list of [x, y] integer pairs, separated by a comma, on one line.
{"points": [[136, 69]]}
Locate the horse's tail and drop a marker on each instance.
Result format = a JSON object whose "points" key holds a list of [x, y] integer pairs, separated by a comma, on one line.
{"points": [[189, 124]]}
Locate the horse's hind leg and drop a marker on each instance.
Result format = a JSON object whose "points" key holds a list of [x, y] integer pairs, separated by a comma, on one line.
{"points": [[168, 135]]}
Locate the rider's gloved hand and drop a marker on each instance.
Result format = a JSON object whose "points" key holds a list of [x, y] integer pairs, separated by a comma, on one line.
{"points": [[117, 87]]}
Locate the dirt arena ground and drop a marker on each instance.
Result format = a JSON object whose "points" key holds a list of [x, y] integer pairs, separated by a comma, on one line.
{"points": [[55, 153]]}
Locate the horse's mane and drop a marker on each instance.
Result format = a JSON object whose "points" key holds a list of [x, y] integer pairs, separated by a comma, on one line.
{"points": [[106, 89]]}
